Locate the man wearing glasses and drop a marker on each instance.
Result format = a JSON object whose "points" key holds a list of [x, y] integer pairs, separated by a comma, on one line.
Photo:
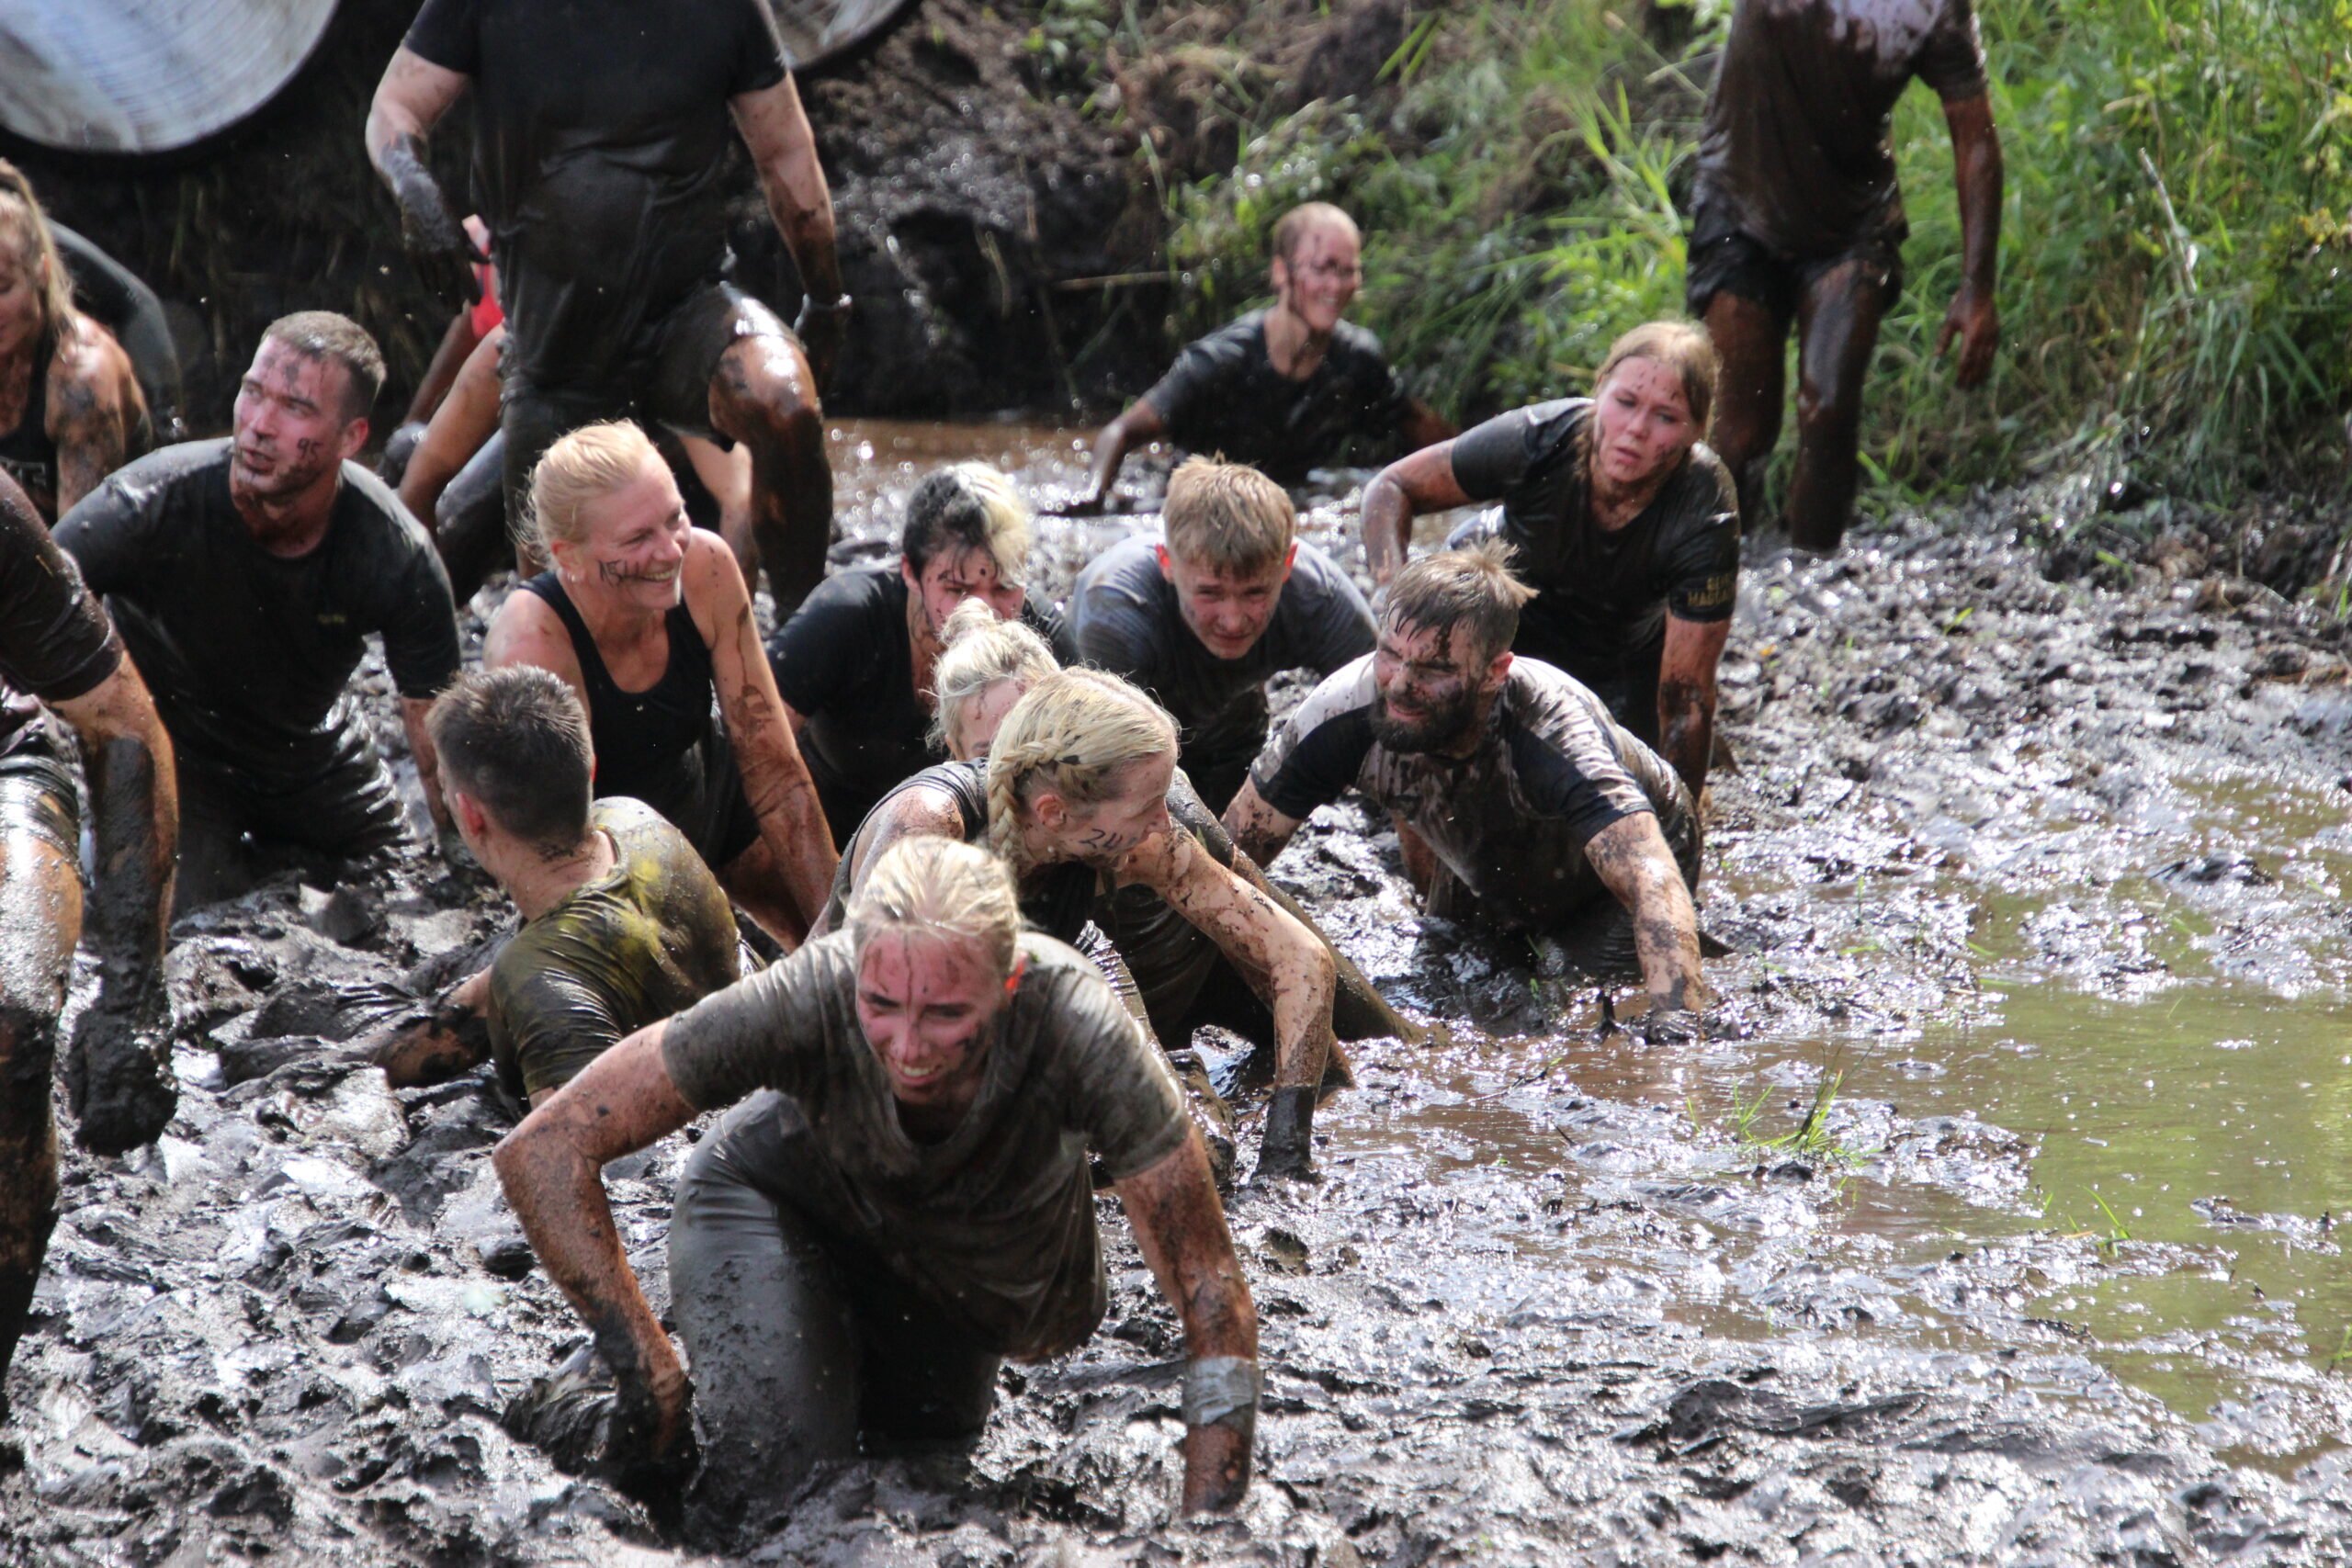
{"points": [[1284, 388]]}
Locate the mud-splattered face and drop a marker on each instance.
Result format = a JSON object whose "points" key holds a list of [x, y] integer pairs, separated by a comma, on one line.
{"points": [[1101, 833], [1229, 610], [1641, 423], [633, 541], [925, 1003], [1430, 683], [973, 728], [290, 423], [953, 576], [1320, 280]]}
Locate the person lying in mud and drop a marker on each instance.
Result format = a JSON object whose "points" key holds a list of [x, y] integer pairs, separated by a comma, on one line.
{"points": [[71, 407], [623, 925], [56, 648], [854, 1254], [1621, 520], [244, 575], [854, 664], [1539, 808], [1796, 220], [1285, 389], [1201, 621], [647, 617], [1081, 795], [607, 210]]}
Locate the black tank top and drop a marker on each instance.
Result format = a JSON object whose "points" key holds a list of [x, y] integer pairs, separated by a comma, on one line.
{"points": [[652, 745], [27, 453]]}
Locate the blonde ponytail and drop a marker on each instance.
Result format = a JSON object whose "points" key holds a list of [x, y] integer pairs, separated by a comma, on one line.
{"points": [[1071, 734], [981, 652]]}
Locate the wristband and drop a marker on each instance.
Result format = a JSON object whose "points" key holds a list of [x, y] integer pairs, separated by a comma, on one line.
{"points": [[1217, 1388]]}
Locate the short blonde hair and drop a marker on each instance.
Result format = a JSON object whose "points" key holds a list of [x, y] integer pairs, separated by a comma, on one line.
{"points": [[1680, 346], [1227, 516], [944, 888], [1292, 226], [1072, 734], [982, 652], [970, 506], [584, 467]]}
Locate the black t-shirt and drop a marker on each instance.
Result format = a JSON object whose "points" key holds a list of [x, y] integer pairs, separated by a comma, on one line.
{"points": [[249, 654], [1223, 398], [843, 662], [1601, 601], [1127, 620], [600, 160], [1796, 139], [55, 642]]}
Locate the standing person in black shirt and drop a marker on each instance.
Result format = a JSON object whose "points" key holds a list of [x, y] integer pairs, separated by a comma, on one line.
{"points": [[1203, 620], [243, 575], [1284, 388], [56, 648], [601, 133], [854, 663], [1621, 519], [1796, 218]]}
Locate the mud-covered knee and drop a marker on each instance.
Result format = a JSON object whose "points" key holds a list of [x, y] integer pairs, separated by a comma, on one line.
{"points": [[28, 1046]]}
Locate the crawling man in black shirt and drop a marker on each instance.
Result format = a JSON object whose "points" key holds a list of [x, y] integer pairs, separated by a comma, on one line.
{"points": [[244, 576], [1284, 388], [1539, 808], [1201, 621]]}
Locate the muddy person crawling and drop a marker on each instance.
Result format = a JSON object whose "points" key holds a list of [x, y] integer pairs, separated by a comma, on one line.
{"points": [[1543, 814], [902, 1199]]}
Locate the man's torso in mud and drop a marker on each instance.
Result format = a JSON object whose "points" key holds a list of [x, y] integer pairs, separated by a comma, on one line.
{"points": [[55, 642], [249, 654], [1796, 138], [843, 664], [1127, 619], [650, 938], [1223, 398], [601, 159], [995, 1221], [1603, 596], [1510, 821]]}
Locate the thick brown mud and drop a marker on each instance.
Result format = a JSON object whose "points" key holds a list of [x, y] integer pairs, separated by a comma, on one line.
{"points": [[2036, 891]]}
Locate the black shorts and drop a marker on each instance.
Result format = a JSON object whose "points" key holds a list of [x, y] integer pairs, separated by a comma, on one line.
{"points": [[1726, 259]]}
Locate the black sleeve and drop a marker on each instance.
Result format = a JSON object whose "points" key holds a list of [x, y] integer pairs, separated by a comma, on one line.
{"points": [[759, 59], [56, 640], [1952, 58], [1050, 624], [1340, 630], [1702, 567], [448, 34], [827, 647], [1113, 631], [107, 533], [420, 621], [1586, 789], [1182, 394], [1490, 459], [1319, 751]]}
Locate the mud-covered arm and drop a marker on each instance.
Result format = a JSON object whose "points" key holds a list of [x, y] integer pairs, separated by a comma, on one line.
{"points": [[454, 1037], [95, 404], [1686, 695], [1180, 1228], [1139, 426], [1261, 830], [409, 102], [1631, 857], [784, 150], [1399, 492], [428, 759], [552, 1169], [1974, 317]]}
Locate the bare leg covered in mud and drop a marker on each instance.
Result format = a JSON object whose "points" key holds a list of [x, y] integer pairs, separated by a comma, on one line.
{"points": [[40, 909]]}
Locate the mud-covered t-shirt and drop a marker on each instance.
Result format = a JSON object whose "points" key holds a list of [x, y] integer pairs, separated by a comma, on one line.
{"points": [[1602, 596], [249, 654], [650, 938], [1796, 140], [1551, 770], [601, 137], [1223, 398], [995, 1221], [55, 642], [1127, 621], [844, 663]]}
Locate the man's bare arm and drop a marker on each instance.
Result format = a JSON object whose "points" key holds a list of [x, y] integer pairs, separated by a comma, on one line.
{"points": [[429, 760], [1405, 488], [1180, 1228], [784, 150], [1261, 830], [1632, 860], [1686, 695], [410, 101], [454, 1037], [1974, 317], [917, 812]]}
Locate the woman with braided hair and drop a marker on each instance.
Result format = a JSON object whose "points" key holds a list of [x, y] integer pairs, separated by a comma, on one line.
{"points": [[1081, 798]]}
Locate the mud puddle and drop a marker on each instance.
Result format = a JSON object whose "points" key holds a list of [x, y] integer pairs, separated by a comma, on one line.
{"points": [[2036, 900]]}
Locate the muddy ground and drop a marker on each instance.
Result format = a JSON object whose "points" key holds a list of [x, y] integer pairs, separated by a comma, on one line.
{"points": [[1543, 1306]]}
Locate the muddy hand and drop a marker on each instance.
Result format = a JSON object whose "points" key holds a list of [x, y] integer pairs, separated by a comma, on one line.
{"points": [[1287, 1151], [1216, 1465], [1671, 1026], [1976, 321], [651, 1452], [823, 327], [437, 244], [119, 1072]]}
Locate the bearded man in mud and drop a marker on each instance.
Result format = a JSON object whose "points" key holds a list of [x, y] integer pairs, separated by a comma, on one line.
{"points": [[853, 1253], [1621, 520], [57, 648], [855, 663], [1231, 598], [71, 407], [1284, 389], [244, 576], [1796, 218], [600, 160], [623, 925], [1544, 815]]}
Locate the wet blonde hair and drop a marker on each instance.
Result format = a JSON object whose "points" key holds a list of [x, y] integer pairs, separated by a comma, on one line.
{"points": [[24, 227], [1227, 516], [970, 506], [941, 888], [1682, 348], [1292, 226], [981, 652], [586, 465], [1072, 734]]}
